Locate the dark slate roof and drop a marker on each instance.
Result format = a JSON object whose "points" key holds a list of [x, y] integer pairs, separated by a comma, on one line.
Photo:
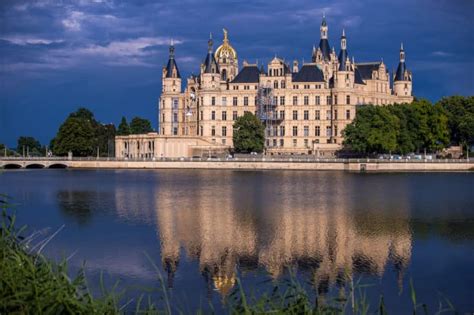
{"points": [[325, 48], [210, 60], [343, 55], [399, 75], [169, 68], [358, 77], [308, 73], [248, 74], [365, 69]]}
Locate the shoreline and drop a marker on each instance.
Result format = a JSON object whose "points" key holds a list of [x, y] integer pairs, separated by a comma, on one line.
{"points": [[361, 165]]}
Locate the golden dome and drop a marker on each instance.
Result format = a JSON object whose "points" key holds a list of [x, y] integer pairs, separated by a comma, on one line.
{"points": [[225, 50]]}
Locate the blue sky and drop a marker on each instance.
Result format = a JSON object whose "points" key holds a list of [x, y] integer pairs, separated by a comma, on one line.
{"points": [[107, 55]]}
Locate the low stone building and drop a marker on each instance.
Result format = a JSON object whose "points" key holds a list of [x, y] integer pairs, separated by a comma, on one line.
{"points": [[154, 146]]}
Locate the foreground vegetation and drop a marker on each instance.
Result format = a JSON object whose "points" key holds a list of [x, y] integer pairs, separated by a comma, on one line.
{"points": [[32, 284]]}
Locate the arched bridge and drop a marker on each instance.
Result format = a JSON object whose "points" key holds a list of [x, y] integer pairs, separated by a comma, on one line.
{"points": [[15, 163]]}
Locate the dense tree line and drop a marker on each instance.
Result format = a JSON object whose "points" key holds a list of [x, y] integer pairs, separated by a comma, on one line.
{"points": [[83, 135], [137, 126], [411, 127]]}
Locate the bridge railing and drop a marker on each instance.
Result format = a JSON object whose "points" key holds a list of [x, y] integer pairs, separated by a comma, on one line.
{"points": [[274, 159]]}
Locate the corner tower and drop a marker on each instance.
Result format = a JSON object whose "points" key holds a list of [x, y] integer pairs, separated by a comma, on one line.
{"points": [[171, 77], [227, 59], [402, 81]]}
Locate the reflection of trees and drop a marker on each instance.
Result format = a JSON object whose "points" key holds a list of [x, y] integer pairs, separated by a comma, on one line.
{"points": [[225, 224], [80, 205]]}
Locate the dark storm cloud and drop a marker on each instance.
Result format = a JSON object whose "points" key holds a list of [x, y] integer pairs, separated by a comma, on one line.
{"points": [[107, 55]]}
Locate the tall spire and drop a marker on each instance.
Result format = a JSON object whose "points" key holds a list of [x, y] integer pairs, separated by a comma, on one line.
{"points": [[401, 69], [402, 53], [324, 28], [210, 43], [343, 55], [172, 70], [324, 43]]}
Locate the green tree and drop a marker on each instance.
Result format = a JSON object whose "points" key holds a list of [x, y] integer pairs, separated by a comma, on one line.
{"points": [[140, 125], [29, 145], [106, 139], [77, 135], [374, 130], [123, 128], [460, 113], [249, 134]]}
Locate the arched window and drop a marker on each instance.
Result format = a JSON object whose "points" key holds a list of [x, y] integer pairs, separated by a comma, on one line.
{"points": [[283, 85], [275, 84], [224, 74]]}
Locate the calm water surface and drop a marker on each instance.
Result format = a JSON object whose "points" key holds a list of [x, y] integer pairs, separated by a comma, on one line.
{"points": [[204, 228]]}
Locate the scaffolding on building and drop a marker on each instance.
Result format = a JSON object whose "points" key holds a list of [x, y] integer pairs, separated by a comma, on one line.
{"points": [[267, 112]]}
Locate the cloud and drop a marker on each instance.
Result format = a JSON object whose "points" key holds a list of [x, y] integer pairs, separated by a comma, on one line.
{"points": [[30, 40], [73, 21], [440, 53]]}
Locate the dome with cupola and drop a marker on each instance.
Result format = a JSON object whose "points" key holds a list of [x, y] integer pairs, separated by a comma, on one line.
{"points": [[225, 50]]}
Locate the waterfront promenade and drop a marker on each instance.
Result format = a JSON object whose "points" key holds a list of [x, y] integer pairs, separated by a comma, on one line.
{"points": [[247, 163]]}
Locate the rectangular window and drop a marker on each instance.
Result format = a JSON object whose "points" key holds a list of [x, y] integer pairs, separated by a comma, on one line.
{"points": [[328, 115], [306, 100], [306, 131], [246, 101], [175, 131], [295, 115], [234, 115], [282, 131], [202, 116], [328, 100], [282, 143], [348, 100], [317, 131], [224, 101], [318, 100], [213, 115], [275, 100], [234, 101], [282, 114], [317, 115], [213, 131], [175, 103], [295, 131], [295, 100], [328, 131], [306, 115], [282, 100], [274, 142], [335, 114], [175, 117], [201, 129], [213, 100], [335, 131], [224, 115], [348, 114], [306, 143], [224, 131], [295, 142], [335, 100]]}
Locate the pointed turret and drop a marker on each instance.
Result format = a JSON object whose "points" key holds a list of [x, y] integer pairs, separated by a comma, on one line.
{"points": [[324, 42], [171, 70], [210, 64], [400, 75], [402, 85], [343, 55]]}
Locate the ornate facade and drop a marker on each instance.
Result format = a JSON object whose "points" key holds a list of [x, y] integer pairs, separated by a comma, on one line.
{"points": [[304, 108]]}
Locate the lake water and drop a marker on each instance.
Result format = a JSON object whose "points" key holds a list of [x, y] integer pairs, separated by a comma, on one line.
{"points": [[204, 228]]}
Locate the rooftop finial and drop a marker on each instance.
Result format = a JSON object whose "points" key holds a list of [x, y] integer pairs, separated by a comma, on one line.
{"points": [[343, 33], [225, 35], [210, 43], [171, 48], [401, 46]]}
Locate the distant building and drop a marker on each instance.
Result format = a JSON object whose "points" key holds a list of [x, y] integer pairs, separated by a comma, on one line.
{"points": [[304, 108]]}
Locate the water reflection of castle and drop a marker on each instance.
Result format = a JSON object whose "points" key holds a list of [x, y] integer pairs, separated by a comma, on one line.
{"points": [[272, 226]]}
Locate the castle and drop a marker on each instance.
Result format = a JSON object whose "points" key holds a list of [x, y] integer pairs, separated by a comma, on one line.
{"points": [[304, 107]]}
